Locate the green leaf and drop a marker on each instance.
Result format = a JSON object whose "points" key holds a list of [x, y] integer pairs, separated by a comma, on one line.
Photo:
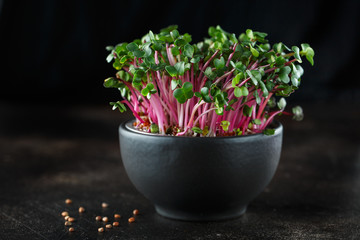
{"points": [[297, 53], [184, 93], [175, 51], [237, 92], [154, 128], [171, 70], [236, 79], [110, 57], [280, 61], [219, 63], [284, 74], [197, 130], [282, 103], [269, 131], [145, 91], [175, 83], [209, 74], [257, 97], [169, 29], [254, 52], [111, 83], [257, 121], [132, 47], [180, 42], [263, 89], [195, 59], [249, 33], [308, 52], [297, 72], [180, 68], [187, 87], [241, 91], [255, 76], [188, 51], [118, 105], [109, 48], [174, 34], [139, 53], [179, 95], [225, 125], [298, 113], [247, 111], [204, 92]]}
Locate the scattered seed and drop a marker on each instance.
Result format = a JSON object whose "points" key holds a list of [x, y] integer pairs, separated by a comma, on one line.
{"points": [[67, 223], [81, 209], [66, 218], [131, 220], [68, 201], [117, 215], [105, 219], [101, 229], [104, 205], [71, 229], [108, 226], [115, 224], [71, 219], [98, 218], [136, 212], [64, 214]]}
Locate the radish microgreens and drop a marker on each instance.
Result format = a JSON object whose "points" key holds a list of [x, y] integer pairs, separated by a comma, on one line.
{"points": [[223, 86]]}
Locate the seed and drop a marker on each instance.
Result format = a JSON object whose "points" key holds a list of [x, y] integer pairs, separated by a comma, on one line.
{"points": [[81, 209], [71, 229], [117, 215], [105, 219], [104, 205], [68, 201], [101, 229], [68, 223], [115, 224], [64, 214], [71, 219], [108, 226], [98, 218], [136, 212], [131, 220], [66, 218]]}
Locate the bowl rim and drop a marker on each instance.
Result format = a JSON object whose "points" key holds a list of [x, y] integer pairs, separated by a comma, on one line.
{"points": [[127, 125]]}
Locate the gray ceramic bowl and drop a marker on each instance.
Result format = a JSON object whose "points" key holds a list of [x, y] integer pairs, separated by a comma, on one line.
{"points": [[197, 178]]}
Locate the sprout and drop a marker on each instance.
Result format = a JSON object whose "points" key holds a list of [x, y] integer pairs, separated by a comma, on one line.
{"points": [[224, 85]]}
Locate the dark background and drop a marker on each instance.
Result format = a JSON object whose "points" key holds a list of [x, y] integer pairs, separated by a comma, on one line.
{"points": [[54, 51], [58, 136]]}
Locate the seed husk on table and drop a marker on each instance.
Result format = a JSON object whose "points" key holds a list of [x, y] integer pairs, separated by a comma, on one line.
{"points": [[108, 226], [81, 209], [104, 205], [98, 218], [131, 220], [68, 201], [67, 223], [101, 229], [116, 224], [64, 214], [71, 229], [136, 212], [71, 219], [117, 215], [105, 219]]}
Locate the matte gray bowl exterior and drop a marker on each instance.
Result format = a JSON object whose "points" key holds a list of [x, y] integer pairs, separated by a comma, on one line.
{"points": [[199, 179]]}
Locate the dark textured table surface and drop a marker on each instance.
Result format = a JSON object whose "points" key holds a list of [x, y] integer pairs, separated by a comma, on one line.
{"points": [[52, 152]]}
